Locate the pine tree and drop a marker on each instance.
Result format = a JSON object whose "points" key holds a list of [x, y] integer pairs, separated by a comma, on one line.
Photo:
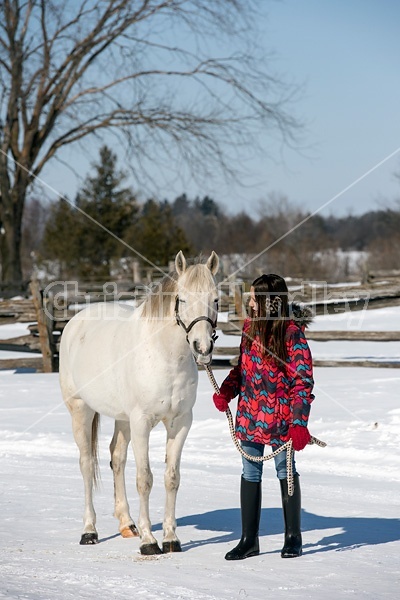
{"points": [[104, 206], [59, 241], [156, 235]]}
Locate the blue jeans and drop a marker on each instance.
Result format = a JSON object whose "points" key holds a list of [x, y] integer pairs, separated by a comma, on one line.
{"points": [[252, 471]]}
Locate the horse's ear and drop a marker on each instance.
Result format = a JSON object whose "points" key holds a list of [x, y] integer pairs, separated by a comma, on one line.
{"points": [[180, 263], [213, 262]]}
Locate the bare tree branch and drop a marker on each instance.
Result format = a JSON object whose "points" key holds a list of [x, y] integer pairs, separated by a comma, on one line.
{"points": [[161, 72]]}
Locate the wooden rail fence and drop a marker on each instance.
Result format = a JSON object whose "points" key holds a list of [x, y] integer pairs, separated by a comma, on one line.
{"points": [[47, 315]]}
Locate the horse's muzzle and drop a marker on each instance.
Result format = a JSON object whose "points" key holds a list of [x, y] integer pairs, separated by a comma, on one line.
{"points": [[202, 358]]}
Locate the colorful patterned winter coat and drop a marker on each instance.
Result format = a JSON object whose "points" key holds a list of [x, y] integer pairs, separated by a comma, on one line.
{"points": [[272, 397]]}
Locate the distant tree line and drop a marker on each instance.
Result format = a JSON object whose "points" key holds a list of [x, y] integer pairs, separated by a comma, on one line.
{"points": [[98, 234]]}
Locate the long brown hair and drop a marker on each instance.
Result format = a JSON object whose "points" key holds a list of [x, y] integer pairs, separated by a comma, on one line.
{"points": [[271, 321]]}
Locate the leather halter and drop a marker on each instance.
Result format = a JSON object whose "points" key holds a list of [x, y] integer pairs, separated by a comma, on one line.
{"points": [[192, 323]]}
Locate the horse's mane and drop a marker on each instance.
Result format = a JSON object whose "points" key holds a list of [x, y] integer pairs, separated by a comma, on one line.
{"points": [[157, 303], [160, 300]]}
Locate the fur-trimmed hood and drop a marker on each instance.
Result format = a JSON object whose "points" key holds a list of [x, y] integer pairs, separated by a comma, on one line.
{"points": [[301, 315]]}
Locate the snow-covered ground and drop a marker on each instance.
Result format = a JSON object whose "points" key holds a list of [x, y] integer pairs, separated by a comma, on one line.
{"points": [[350, 490], [374, 319]]}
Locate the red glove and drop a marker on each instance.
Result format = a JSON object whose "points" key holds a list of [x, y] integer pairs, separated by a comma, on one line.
{"points": [[300, 436], [221, 401]]}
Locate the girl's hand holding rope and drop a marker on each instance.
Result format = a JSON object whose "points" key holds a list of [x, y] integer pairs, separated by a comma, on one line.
{"points": [[221, 401]]}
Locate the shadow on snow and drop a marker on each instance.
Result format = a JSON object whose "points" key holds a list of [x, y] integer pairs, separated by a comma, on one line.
{"points": [[354, 531]]}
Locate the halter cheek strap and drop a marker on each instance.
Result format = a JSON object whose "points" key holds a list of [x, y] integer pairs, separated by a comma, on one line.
{"points": [[192, 323]]}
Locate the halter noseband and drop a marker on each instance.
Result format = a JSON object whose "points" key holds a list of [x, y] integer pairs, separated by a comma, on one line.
{"points": [[196, 320]]}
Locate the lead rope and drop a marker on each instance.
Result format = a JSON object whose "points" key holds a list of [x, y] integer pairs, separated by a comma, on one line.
{"points": [[287, 446]]}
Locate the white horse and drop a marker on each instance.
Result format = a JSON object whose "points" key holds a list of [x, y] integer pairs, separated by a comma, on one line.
{"points": [[137, 366]]}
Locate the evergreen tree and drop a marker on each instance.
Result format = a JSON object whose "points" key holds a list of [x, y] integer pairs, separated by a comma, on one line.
{"points": [[88, 248], [156, 235], [207, 206], [60, 242], [181, 206], [114, 207]]}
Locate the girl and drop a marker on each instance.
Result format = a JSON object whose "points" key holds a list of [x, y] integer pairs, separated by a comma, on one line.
{"points": [[274, 381]]}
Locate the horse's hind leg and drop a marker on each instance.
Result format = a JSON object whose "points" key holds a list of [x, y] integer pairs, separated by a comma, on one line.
{"points": [[118, 449], [85, 423], [177, 431]]}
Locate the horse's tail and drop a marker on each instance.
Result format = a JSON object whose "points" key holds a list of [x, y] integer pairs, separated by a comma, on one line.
{"points": [[95, 449]]}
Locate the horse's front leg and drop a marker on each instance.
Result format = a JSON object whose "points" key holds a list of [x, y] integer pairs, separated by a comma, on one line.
{"points": [[140, 433], [177, 431], [118, 450]]}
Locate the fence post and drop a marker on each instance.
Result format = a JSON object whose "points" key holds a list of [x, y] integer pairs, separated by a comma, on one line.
{"points": [[45, 326], [240, 307], [136, 271]]}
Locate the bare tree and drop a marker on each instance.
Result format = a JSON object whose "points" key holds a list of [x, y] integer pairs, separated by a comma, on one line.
{"points": [[142, 68]]}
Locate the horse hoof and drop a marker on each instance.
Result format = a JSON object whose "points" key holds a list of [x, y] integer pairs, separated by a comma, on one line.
{"points": [[129, 531], [173, 546], [89, 538], [150, 549]]}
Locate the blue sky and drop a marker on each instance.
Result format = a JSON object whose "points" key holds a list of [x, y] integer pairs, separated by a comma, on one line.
{"points": [[343, 55], [346, 53]]}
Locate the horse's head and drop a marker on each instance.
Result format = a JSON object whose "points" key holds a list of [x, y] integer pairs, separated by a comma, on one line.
{"points": [[196, 308]]}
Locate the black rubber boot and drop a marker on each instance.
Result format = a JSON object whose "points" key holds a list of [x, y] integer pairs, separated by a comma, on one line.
{"points": [[250, 505], [291, 513]]}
